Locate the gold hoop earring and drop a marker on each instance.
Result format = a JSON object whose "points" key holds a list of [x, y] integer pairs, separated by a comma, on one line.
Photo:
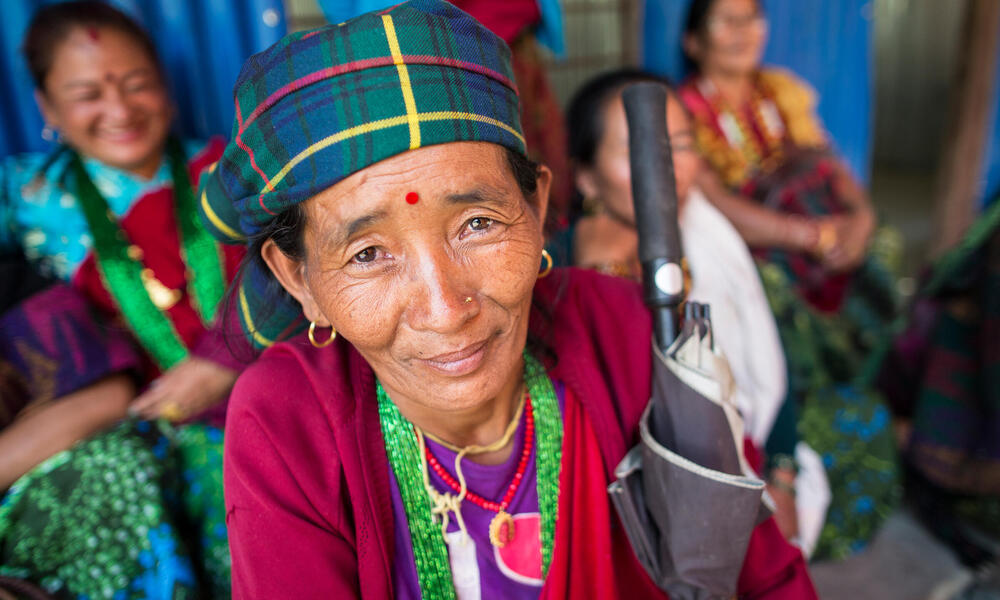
{"points": [[312, 336], [548, 264]]}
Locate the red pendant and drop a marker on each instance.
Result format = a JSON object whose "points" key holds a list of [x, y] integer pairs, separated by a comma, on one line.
{"points": [[501, 529]]}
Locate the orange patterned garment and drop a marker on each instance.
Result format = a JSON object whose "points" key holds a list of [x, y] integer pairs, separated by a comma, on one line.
{"points": [[739, 141]]}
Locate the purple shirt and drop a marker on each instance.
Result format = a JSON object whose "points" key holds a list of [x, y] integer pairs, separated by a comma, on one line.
{"points": [[481, 571]]}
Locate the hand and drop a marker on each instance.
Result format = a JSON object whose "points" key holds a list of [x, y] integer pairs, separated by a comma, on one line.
{"points": [[851, 235], [186, 389], [780, 486], [798, 233]]}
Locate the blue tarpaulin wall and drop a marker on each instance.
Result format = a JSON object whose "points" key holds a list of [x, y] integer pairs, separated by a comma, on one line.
{"points": [[991, 166], [202, 44], [829, 44]]}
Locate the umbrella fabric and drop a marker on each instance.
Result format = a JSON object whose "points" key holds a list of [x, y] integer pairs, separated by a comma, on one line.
{"points": [[686, 495]]}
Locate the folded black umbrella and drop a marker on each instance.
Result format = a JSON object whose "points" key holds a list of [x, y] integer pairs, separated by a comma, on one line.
{"points": [[685, 494]]}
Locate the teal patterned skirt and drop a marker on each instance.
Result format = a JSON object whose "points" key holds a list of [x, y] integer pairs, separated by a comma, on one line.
{"points": [[844, 420], [135, 512]]}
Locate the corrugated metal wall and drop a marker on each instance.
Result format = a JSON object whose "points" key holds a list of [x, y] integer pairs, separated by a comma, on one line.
{"points": [[916, 51], [600, 36], [917, 45], [827, 43], [202, 44]]}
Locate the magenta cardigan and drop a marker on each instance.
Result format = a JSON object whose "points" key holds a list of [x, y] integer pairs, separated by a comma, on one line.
{"points": [[306, 474]]}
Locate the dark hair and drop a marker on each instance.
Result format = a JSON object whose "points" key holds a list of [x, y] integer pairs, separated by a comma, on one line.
{"points": [[52, 24], [287, 229], [586, 110], [697, 17], [696, 24]]}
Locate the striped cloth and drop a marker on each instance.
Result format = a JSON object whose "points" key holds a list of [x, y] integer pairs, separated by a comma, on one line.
{"points": [[323, 104]]}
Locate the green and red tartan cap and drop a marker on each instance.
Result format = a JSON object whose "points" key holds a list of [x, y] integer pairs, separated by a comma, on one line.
{"points": [[320, 105]]}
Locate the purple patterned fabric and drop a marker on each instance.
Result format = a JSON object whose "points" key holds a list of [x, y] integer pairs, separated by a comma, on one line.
{"points": [[506, 573], [57, 346]]}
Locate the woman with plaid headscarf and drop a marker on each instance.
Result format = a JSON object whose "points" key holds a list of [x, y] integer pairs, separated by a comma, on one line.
{"points": [[436, 414]]}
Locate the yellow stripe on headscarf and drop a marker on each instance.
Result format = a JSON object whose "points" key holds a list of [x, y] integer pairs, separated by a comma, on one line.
{"points": [[251, 328], [217, 222], [404, 81], [377, 126]]}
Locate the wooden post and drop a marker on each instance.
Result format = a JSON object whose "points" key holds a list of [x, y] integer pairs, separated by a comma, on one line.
{"points": [[962, 160]]}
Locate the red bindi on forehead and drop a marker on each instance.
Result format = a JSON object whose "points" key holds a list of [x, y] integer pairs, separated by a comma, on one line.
{"points": [[93, 33], [412, 198]]}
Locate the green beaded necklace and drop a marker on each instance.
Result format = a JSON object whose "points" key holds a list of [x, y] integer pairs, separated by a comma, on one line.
{"points": [[429, 549], [131, 285]]}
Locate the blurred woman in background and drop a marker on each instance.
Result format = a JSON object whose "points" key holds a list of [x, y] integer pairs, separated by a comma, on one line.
{"points": [[111, 210], [750, 121], [941, 377], [90, 505], [809, 223], [722, 272]]}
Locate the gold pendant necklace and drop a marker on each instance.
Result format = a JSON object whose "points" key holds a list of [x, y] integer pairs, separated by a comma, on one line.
{"points": [[500, 536], [163, 297], [501, 530]]}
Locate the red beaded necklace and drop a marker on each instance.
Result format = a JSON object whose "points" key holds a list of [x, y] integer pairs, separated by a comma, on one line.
{"points": [[498, 536]]}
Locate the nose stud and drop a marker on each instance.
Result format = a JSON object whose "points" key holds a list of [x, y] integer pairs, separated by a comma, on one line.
{"points": [[468, 299]]}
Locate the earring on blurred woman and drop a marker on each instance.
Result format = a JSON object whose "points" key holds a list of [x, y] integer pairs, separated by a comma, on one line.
{"points": [[548, 264], [49, 133], [312, 336]]}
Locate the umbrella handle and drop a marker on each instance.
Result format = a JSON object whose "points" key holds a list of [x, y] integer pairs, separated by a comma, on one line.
{"points": [[654, 193]]}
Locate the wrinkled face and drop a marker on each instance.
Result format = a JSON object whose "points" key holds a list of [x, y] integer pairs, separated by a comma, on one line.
{"points": [[734, 39], [610, 177], [107, 99], [426, 263]]}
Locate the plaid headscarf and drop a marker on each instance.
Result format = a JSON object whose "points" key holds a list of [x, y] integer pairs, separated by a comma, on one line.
{"points": [[323, 104]]}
